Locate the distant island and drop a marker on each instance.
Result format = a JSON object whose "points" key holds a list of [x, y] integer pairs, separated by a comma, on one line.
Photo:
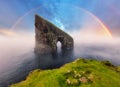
{"points": [[80, 73]]}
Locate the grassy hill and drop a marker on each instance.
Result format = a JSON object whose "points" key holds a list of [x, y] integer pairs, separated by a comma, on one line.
{"points": [[80, 73]]}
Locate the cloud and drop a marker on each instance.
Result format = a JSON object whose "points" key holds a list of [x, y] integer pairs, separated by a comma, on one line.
{"points": [[6, 32]]}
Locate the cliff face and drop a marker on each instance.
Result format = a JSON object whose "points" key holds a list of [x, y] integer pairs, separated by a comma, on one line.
{"points": [[47, 35]]}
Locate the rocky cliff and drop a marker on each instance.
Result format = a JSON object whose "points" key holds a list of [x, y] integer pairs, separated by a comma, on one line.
{"points": [[47, 35]]}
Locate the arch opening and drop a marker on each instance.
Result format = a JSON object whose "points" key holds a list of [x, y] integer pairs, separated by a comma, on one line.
{"points": [[59, 46]]}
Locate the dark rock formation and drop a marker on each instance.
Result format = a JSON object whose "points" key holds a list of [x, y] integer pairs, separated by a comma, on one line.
{"points": [[47, 36]]}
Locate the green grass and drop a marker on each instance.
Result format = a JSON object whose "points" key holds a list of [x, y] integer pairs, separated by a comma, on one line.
{"points": [[80, 73]]}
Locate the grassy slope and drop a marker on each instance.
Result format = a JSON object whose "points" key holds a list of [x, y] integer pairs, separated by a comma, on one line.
{"points": [[80, 73]]}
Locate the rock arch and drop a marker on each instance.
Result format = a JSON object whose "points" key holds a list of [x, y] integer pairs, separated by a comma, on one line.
{"points": [[47, 35]]}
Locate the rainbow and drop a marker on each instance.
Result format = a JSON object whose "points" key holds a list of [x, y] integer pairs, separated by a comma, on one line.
{"points": [[22, 17], [105, 29]]}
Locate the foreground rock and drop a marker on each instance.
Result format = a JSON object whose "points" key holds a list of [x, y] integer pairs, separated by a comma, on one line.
{"points": [[47, 35]]}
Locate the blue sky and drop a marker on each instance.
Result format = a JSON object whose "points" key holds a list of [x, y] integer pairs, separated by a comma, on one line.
{"points": [[12, 10]]}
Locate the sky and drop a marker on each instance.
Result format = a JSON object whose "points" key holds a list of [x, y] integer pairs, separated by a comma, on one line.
{"points": [[66, 14]]}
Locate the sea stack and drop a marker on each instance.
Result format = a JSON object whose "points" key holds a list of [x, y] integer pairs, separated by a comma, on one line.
{"points": [[47, 35]]}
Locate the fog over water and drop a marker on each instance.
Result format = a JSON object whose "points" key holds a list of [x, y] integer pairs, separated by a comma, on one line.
{"points": [[17, 56]]}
